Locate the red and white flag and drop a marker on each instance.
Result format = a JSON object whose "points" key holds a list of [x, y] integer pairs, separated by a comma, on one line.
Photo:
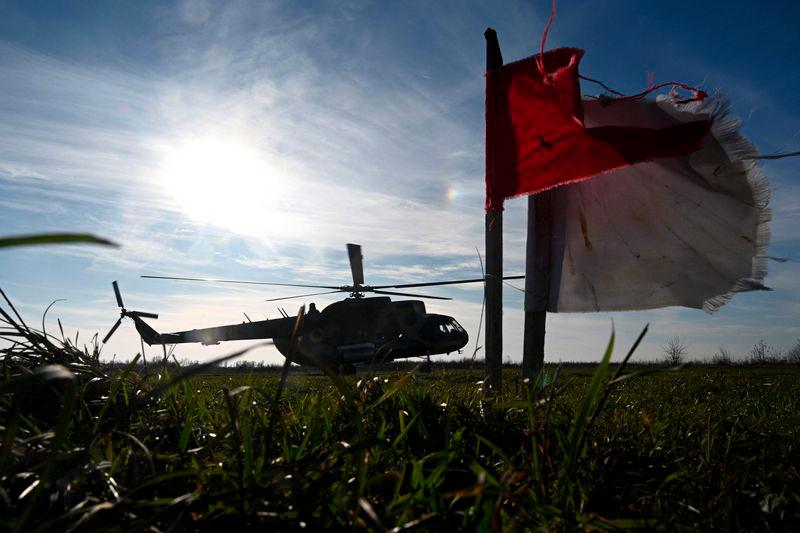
{"points": [[536, 136], [675, 214]]}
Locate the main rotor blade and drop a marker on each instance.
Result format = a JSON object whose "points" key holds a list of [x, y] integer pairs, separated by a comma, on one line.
{"points": [[112, 330], [117, 294], [407, 294], [356, 263], [213, 280], [300, 296], [429, 284], [142, 314]]}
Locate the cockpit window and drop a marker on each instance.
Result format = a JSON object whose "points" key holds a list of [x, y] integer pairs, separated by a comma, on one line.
{"points": [[442, 327], [450, 327]]}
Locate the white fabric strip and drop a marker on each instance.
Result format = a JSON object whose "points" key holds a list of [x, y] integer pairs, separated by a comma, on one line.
{"points": [[688, 231]]}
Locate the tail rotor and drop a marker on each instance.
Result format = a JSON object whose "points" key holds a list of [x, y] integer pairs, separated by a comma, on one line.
{"points": [[117, 294], [112, 330], [124, 313]]}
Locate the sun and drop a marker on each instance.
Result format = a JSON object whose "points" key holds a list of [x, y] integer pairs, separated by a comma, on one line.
{"points": [[225, 182]]}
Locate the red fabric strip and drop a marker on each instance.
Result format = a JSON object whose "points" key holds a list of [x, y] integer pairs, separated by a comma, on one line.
{"points": [[536, 139]]}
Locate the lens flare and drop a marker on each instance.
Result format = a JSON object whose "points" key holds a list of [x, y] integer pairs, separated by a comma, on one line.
{"points": [[450, 193]]}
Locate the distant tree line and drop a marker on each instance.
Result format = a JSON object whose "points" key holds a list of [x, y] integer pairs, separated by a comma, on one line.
{"points": [[675, 351]]}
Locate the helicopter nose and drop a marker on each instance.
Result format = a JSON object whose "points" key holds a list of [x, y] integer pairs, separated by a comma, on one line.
{"points": [[463, 339]]}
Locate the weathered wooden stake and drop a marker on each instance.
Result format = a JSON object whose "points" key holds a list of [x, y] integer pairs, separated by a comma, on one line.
{"points": [[538, 251], [494, 255]]}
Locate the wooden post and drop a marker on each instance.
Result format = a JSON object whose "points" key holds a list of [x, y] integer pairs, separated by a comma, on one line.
{"points": [[494, 256], [538, 252]]}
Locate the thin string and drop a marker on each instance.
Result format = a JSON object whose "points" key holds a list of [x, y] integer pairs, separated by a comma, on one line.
{"points": [[540, 60], [601, 84], [775, 156], [698, 95]]}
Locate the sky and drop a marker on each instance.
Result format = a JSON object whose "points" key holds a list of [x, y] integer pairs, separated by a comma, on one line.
{"points": [[253, 140]]}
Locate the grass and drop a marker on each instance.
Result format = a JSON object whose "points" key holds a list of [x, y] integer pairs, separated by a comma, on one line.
{"points": [[53, 238], [88, 447]]}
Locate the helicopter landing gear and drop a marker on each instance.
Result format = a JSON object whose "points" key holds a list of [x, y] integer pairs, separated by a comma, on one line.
{"points": [[427, 367]]}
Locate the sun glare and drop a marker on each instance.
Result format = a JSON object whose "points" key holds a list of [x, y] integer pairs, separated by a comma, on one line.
{"points": [[227, 183]]}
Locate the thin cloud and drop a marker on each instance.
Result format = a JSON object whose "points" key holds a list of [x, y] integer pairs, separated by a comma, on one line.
{"points": [[366, 131]]}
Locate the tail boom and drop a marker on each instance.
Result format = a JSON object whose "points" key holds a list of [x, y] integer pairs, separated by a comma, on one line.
{"points": [[263, 329]]}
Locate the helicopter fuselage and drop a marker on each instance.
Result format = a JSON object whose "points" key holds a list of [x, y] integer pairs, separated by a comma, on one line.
{"points": [[351, 331]]}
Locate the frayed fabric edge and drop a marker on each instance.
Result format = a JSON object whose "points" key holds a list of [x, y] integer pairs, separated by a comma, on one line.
{"points": [[726, 129]]}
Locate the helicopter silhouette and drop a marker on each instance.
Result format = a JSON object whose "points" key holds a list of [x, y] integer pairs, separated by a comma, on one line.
{"points": [[356, 330]]}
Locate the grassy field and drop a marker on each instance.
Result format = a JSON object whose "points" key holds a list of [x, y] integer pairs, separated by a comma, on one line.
{"points": [[85, 447]]}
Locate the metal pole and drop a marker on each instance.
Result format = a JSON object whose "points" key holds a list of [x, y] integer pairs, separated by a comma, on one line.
{"points": [[494, 253], [538, 252]]}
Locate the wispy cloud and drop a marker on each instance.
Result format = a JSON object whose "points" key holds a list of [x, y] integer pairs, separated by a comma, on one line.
{"points": [[362, 123]]}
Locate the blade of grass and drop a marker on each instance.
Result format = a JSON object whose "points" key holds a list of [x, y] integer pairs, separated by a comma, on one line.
{"points": [[614, 379], [548, 412], [21, 327], [483, 306], [189, 372], [69, 394], [44, 315], [188, 424], [296, 331], [396, 387], [579, 424], [54, 238], [237, 443], [112, 395]]}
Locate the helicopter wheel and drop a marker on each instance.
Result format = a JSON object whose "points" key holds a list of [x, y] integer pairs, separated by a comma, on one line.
{"points": [[347, 370]]}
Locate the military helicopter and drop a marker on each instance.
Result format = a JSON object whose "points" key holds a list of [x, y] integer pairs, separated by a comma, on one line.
{"points": [[356, 330]]}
